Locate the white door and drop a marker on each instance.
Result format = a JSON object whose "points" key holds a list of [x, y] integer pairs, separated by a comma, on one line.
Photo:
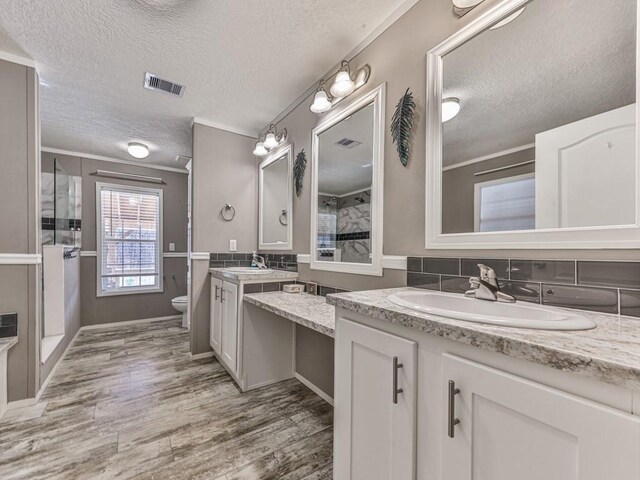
{"points": [[511, 428], [586, 172], [375, 404], [230, 325], [215, 328]]}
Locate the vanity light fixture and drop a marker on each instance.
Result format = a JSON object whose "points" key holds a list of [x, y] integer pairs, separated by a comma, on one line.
{"points": [[269, 140], [321, 101], [508, 19], [462, 7], [450, 108], [343, 85], [138, 150]]}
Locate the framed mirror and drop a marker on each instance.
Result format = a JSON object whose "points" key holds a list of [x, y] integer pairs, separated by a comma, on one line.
{"points": [[275, 201], [347, 183], [532, 128]]}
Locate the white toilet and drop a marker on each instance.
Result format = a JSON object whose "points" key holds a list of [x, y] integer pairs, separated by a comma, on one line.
{"points": [[181, 304]]}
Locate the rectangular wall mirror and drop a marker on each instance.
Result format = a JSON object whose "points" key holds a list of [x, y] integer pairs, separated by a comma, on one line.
{"points": [[532, 131], [346, 199], [275, 224]]}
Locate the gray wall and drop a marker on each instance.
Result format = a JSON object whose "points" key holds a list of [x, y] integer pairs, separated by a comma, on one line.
{"points": [[314, 358], [98, 310], [458, 188], [72, 314], [223, 171], [20, 286]]}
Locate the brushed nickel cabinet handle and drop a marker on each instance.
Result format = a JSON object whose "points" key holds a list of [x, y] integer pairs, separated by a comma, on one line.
{"points": [[396, 390], [453, 421], [216, 295], [221, 295]]}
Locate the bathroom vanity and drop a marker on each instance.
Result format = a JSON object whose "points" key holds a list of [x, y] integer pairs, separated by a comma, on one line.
{"points": [[5, 344], [227, 328], [458, 400]]}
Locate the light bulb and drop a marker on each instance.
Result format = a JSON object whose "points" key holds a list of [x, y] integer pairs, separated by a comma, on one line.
{"points": [[270, 141], [138, 150], [260, 151], [450, 108], [320, 103], [343, 85]]}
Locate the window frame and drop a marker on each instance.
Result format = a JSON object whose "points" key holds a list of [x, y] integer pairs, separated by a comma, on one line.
{"points": [[477, 189], [99, 237]]}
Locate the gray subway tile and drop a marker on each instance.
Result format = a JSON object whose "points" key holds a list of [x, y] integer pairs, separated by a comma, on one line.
{"points": [[216, 264], [324, 291], [423, 280], [609, 274], [454, 284], [225, 256], [239, 256], [443, 266], [522, 291], [469, 266], [602, 300], [630, 303], [553, 271], [414, 264], [252, 288], [271, 287]]}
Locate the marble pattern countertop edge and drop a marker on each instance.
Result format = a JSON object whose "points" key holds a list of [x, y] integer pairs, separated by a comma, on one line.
{"points": [[7, 342], [307, 310], [609, 353], [242, 276]]}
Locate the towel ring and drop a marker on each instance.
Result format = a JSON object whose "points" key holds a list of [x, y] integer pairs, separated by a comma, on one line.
{"points": [[283, 218], [228, 212]]}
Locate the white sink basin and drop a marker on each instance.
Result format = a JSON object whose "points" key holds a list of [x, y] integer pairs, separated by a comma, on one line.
{"points": [[519, 314], [248, 270]]}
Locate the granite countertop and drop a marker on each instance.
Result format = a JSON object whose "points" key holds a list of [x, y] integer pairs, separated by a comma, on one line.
{"points": [[609, 353], [7, 342], [308, 310], [242, 276]]}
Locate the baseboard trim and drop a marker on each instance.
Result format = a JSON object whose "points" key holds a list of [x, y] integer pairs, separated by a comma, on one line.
{"points": [[55, 367], [313, 388], [200, 356], [130, 322]]}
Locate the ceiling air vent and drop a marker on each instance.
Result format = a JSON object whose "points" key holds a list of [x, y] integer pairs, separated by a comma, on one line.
{"points": [[348, 143], [153, 82]]}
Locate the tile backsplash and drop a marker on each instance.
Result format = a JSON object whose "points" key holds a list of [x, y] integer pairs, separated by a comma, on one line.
{"points": [[8, 325], [599, 286], [276, 261]]}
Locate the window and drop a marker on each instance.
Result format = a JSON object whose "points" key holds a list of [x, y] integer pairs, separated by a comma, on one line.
{"points": [[129, 236], [506, 204]]}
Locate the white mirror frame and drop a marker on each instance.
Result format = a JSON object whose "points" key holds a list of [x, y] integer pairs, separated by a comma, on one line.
{"points": [[377, 97], [625, 236], [274, 155]]}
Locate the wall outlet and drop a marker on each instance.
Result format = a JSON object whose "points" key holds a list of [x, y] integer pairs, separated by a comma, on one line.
{"points": [[233, 245], [312, 288], [172, 247]]}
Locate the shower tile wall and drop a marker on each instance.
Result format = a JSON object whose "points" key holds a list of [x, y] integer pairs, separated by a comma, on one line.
{"points": [[72, 236], [607, 287]]}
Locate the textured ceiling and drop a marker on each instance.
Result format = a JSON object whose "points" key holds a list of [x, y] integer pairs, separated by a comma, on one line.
{"points": [[558, 62], [345, 170], [243, 62]]}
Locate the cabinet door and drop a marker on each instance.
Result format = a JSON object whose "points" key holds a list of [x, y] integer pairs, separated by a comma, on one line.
{"points": [[230, 325], [215, 331], [512, 428], [374, 429]]}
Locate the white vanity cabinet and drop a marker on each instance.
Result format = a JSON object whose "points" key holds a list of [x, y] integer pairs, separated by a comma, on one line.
{"points": [[500, 427], [375, 399], [223, 329], [215, 314], [467, 413]]}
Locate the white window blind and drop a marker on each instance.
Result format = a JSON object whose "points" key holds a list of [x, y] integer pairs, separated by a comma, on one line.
{"points": [[129, 239], [506, 204]]}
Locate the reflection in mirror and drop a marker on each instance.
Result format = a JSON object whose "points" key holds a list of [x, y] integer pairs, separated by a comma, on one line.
{"points": [[545, 137], [275, 201], [345, 161]]}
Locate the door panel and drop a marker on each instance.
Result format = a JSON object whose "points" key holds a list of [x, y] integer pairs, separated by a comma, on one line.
{"points": [[230, 325], [215, 332]]}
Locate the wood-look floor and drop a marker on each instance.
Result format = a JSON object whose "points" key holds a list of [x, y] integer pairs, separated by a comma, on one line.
{"points": [[127, 402]]}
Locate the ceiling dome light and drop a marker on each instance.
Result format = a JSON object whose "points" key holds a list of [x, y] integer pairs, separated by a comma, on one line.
{"points": [[270, 141], [509, 19], [321, 102], [450, 108], [343, 85], [260, 151], [138, 150]]}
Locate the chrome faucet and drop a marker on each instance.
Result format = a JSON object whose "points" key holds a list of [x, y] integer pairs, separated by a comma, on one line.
{"points": [[486, 287], [259, 261]]}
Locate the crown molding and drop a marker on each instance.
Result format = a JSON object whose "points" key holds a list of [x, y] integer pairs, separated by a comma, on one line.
{"points": [[20, 60], [226, 128], [102, 158]]}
